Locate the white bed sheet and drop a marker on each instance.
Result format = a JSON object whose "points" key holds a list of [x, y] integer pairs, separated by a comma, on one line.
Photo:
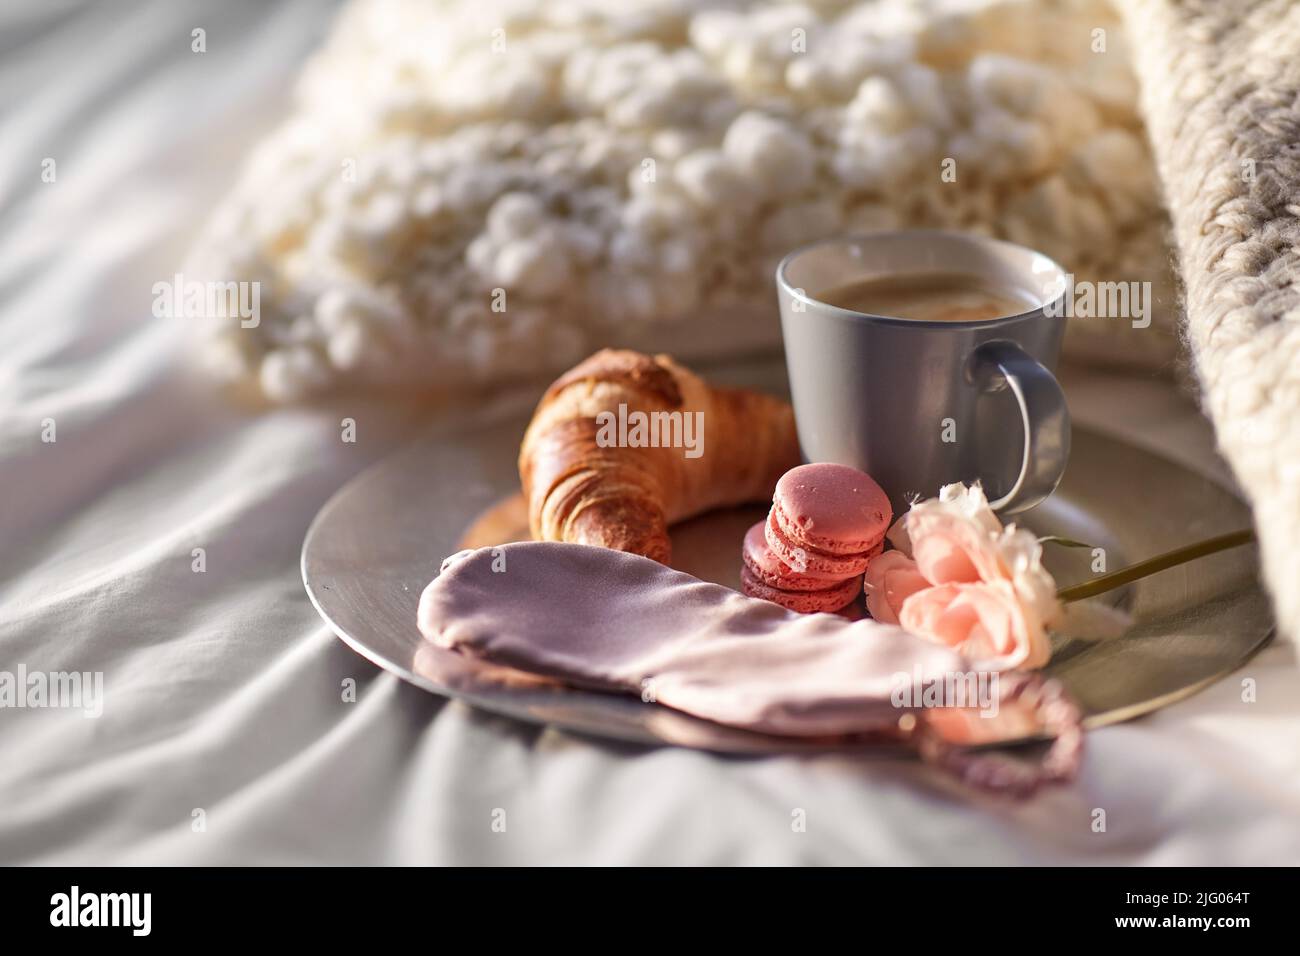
{"points": [[222, 688]]}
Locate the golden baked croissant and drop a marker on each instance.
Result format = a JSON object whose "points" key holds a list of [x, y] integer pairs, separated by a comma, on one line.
{"points": [[590, 475]]}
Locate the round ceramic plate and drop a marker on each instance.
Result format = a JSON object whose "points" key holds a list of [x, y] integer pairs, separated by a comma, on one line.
{"points": [[380, 539]]}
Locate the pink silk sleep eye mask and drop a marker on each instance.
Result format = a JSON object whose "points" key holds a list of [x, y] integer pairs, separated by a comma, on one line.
{"points": [[606, 620]]}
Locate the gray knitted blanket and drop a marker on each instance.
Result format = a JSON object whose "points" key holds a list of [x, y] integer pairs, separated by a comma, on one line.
{"points": [[1221, 96]]}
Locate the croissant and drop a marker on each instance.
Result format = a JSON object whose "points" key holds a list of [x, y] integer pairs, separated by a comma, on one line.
{"points": [[625, 444]]}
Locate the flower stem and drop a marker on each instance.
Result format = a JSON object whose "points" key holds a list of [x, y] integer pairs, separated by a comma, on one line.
{"points": [[1159, 563]]}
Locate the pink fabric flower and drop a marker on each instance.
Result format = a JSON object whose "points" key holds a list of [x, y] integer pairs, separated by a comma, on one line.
{"points": [[986, 623], [959, 578], [890, 580], [952, 538]]}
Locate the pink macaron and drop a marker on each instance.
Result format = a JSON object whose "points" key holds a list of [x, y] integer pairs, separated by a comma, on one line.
{"points": [[806, 560], [830, 508], [805, 602], [772, 571]]}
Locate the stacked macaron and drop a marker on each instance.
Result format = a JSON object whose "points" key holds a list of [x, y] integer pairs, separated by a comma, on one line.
{"points": [[827, 521]]}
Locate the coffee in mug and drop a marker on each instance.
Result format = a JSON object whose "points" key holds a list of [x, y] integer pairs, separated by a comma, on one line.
{"points": [[930, 297], [922, 358]]}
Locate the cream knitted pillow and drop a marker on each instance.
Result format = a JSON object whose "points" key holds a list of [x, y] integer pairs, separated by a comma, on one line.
{"points": [[473, 191]]}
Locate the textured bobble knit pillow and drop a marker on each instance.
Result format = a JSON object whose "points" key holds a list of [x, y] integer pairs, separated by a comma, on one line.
{"points": [[468, 192]]}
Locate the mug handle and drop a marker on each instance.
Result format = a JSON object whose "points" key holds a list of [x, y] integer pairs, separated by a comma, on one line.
{"points": [[1043, 414]]}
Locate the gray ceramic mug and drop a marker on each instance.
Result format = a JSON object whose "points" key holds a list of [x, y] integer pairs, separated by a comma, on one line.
{"points": [[920, 404]]}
